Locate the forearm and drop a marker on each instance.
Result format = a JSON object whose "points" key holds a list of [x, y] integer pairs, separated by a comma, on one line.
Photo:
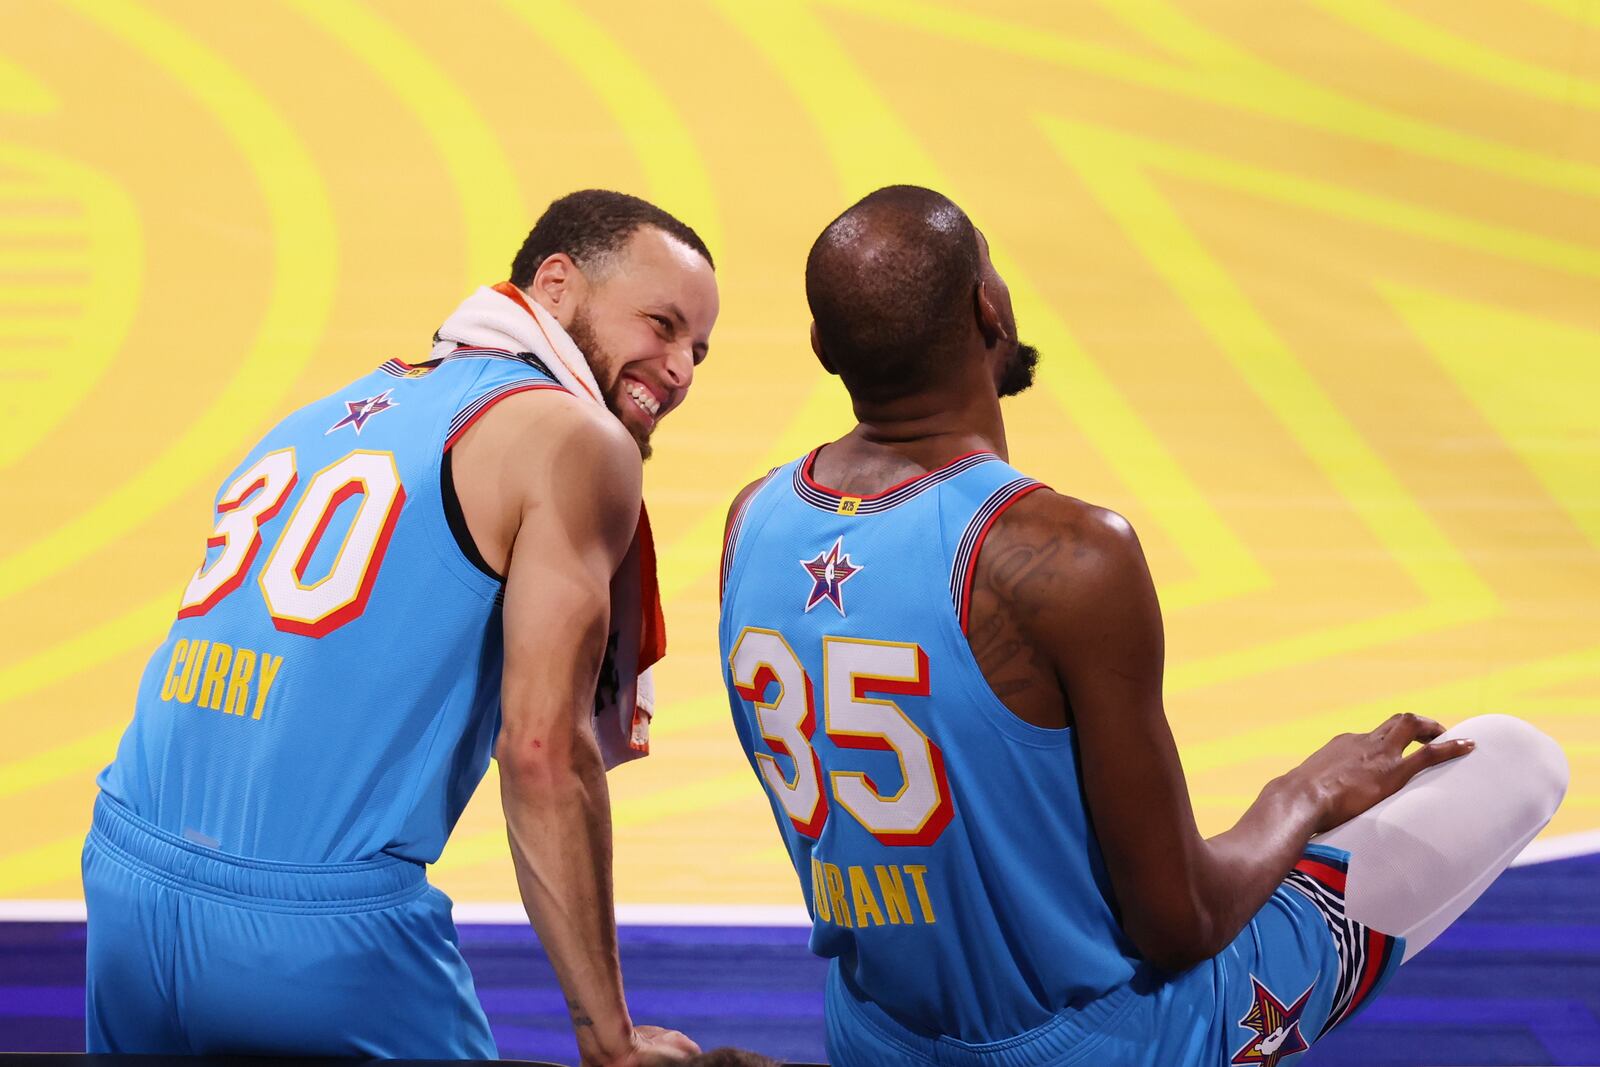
{"points": [[1241, 866], [558, 819]]}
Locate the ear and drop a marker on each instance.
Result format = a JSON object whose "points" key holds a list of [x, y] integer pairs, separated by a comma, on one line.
{"points": [[990, 325], [822, 357], [559, 287]]}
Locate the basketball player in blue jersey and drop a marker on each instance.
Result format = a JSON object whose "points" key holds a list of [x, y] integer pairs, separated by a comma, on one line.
{"points": [[405, 577], [947, 677]]}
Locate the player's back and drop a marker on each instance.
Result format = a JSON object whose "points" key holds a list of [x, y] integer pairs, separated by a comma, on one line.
{"points": [[330, 689], [942, 843]]}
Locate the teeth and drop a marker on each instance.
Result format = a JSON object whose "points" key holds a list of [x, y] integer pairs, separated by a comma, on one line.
{"points": [[643, 397]]}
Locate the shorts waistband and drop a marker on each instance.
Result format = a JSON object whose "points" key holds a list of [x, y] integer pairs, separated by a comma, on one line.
{"points": [[364, 885], [1069, 1037]]}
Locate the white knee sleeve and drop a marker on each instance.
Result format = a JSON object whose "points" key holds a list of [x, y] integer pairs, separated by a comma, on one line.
{"points": [[1418, 859]]}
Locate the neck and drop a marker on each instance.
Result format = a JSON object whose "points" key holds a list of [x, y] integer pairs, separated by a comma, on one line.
{"points": [[931, 428]]}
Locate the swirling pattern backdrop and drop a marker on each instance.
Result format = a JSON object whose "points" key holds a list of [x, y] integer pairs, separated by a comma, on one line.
{"points": [[1317, 285]]}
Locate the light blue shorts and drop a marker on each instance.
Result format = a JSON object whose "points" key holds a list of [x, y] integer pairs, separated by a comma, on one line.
{"points": [[1298, 969], [192, 951]]}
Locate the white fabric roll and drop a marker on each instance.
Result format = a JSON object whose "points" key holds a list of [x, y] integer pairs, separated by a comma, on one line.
{"points": [[1421, 857]]}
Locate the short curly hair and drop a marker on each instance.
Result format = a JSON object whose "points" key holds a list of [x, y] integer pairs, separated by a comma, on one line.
{"points": [[590, 225], [890, 283]]}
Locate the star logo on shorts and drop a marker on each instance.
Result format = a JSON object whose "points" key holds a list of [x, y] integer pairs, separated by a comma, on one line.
{"points": [[362, 410], [829, 571], [1276, 1028]]}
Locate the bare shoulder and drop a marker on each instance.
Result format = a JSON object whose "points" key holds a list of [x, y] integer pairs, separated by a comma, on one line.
{"points": [[1050, 554], [1043, 576], [1075, 534], [553, 420], [547, 458]]}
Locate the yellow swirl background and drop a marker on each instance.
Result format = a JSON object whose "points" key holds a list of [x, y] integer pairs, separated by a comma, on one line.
{"points": [[1317, 284]]}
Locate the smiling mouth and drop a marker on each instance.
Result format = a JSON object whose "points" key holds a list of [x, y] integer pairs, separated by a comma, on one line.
{"points": [[642, 397]]}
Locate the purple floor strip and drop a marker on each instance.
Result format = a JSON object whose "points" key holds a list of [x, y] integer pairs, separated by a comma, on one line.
{"points": [[1517, 981]]}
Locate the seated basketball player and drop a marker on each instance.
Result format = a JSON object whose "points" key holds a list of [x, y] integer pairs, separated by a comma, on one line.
{"points": [[948, 678], [425, 567]]}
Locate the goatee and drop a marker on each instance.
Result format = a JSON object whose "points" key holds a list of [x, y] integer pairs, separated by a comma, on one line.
{"points": [[1018, 372], [599, 359]]}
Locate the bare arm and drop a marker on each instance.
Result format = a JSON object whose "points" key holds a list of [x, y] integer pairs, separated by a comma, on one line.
{"points": [[570, 481], [1082, 595]]}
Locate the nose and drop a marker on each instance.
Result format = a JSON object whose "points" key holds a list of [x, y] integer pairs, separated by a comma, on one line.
{"points": [[680, 366]]}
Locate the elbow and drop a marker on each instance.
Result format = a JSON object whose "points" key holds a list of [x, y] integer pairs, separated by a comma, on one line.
{"points": [[1178, 940], [541, 766], [1175, 956]]}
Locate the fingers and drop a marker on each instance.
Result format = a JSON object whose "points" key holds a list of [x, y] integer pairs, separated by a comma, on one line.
{"points": [[663, 1047], [1431, 755], [680, 1042], [1400, 730], [661, 1057]]}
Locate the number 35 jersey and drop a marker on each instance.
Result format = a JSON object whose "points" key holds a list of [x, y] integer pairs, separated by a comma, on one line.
{"points": [[330, 688], [942, 843]]}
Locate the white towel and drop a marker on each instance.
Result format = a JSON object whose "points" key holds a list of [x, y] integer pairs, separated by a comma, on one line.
{"points": [[501, 317]]}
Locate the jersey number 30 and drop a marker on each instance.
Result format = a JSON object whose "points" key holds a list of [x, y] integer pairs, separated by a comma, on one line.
{"points": [[767, 673], [299, 607]]}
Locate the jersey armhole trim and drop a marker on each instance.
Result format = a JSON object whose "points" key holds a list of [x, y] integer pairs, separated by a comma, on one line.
{"points": [[456, 519], [965, 566], [730, 537], [474, 411], [981, 697], [447, 543]]}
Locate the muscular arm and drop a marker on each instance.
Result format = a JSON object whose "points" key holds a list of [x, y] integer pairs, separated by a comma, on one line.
{"points": [[1080, 593], [568, 486]]}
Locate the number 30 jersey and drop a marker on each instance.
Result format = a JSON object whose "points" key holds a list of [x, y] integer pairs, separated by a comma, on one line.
{"points": [[330, 688], [942, 843]]}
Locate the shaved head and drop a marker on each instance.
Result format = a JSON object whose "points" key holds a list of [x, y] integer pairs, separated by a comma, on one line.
{"points": [[891, 284]]}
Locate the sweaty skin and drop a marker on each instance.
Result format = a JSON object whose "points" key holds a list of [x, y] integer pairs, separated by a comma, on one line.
{"points": [[549, 484], [1067, 629], [554, 489]]}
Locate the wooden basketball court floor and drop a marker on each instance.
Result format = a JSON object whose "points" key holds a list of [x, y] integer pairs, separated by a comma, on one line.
{"points": [[1315, 283]]}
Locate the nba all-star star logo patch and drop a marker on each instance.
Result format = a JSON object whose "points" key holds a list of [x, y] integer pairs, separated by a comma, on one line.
{"points": [[829, 571], [1276, 1029], [362, 410]]}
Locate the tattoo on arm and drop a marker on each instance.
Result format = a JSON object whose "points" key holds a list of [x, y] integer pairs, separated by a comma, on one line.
{"points": [[579, 1017], [1015, 577]]}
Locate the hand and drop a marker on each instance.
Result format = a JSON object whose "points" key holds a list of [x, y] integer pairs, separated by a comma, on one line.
{"points": [[1353, 772], [656, 1045]]}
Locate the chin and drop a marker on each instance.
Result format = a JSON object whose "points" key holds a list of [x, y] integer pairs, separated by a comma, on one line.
{"points": [[640, 435]]}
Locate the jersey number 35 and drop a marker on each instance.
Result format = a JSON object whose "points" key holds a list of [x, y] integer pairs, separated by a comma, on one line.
{"points": [[768, 674]]}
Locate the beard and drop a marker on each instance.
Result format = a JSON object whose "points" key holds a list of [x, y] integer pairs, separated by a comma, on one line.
{"points": [[602, 362], [1017, 374]]}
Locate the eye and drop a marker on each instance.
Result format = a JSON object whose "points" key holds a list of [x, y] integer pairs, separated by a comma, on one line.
{"points": [[663, 324]]}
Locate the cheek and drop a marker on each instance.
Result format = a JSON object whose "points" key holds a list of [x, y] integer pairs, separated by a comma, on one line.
{"points": [[616, 348], [642, 346]]}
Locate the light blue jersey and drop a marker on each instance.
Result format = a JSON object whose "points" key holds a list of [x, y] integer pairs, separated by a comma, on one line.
{"points": [[330, 689], [909, 796], [303, 743], [942, 843]]}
